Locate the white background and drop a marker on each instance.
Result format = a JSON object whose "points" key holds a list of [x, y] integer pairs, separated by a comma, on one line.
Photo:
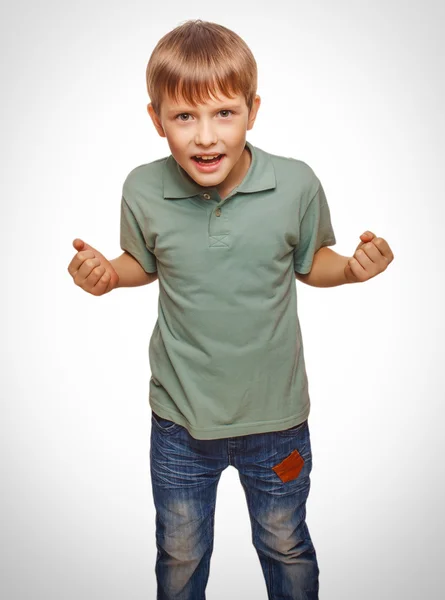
{"points": [[356, 90]]}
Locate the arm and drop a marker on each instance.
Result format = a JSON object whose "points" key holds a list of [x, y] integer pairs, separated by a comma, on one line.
{"points": [[130, 272], [328, 269], [370, 258]]}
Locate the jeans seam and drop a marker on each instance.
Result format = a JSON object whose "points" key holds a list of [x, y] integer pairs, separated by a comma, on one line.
{"points": [[269, 562]]}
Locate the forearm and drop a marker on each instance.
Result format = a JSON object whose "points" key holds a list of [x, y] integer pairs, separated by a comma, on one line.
{"points": [[328, 269], [130, 272]]}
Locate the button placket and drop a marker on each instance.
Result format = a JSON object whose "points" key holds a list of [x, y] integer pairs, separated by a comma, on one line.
{"points": [[218, 226], [216, 197]]}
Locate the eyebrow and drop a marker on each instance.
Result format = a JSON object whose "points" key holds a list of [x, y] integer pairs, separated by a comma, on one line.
{"points": [[181, 110]]}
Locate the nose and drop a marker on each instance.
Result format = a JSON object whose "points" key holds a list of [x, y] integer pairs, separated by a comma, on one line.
{"points": [[205, 134]]}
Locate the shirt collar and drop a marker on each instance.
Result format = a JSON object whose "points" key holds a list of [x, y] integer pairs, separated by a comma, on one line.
{"points": [[260, 176]]}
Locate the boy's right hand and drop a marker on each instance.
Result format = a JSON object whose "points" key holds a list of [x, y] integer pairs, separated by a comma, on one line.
{"points": [[91, 271]]}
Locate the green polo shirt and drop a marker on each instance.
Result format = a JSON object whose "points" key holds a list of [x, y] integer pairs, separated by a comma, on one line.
{"points": [[226, 353]]}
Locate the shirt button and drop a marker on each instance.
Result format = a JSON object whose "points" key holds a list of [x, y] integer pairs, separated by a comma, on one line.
{"points": [[206, 196], [218, 212]]}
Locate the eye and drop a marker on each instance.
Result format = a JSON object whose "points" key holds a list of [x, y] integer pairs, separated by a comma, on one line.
{"points": [[181, 115], [225, 116]]}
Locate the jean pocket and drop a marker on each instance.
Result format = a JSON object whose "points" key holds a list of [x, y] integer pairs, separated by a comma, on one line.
{"points": [[293, 430], [162, 424]]}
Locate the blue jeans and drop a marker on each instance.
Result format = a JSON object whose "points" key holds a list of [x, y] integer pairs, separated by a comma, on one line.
{"points": [[274, 471]]}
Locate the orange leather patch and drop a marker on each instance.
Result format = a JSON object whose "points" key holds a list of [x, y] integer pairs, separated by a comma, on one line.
{"points": [[290, 467]]}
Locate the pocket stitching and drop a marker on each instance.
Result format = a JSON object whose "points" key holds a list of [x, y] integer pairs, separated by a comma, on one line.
{"points": [[168, 429]]}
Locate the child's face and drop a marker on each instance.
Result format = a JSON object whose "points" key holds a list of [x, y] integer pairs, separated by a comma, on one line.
{"points": [[216, 127]]}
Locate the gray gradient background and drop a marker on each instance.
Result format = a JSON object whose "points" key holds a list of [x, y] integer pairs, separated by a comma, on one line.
{"points": [[354, 89]]}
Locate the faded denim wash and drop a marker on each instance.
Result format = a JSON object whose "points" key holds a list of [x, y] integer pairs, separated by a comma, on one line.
{"points": [[274, 470]]}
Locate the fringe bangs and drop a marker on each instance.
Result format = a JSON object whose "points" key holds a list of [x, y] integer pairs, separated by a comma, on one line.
{"points": [[198, 61]]}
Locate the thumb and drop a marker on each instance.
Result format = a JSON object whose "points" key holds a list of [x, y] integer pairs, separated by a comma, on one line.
{"points": [[78, 244], [81, 245], [365, 237]]}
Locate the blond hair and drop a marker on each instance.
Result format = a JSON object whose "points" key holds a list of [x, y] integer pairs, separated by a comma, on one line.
{"points": [[197, 60]]}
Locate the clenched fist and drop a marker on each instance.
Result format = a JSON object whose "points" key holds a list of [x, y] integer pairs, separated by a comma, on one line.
{"points": [[371, 257], [91, 271]]}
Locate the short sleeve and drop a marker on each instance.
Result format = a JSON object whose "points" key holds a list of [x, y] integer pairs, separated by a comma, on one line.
{"points": [[315, 232], [132, 239]]}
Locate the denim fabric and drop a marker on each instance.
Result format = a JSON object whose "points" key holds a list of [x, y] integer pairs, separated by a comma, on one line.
{"points": [[274, 470]]}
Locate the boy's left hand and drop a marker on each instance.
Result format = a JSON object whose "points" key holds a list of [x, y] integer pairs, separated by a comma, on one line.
{"points": [[370, 258]]}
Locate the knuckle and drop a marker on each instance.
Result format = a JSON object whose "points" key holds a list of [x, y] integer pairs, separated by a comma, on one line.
{"points": [[85, 255]]}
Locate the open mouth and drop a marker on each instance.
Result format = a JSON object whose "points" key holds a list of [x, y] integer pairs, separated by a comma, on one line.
{"points": [[211, 161], [208, 166]]}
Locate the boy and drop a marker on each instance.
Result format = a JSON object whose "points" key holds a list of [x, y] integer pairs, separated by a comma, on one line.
{"points": [[225, 225]]}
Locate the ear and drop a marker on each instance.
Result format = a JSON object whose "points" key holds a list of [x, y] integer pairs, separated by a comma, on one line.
{"points": [[253, 112], [156, 121]]}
